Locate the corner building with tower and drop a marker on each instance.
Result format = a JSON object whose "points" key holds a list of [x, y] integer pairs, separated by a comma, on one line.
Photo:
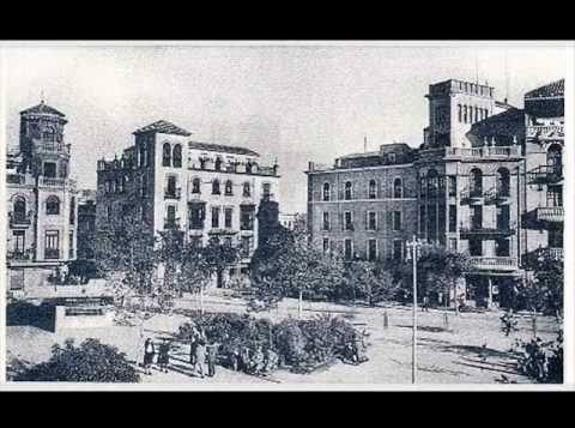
{"points": [[487, 181]]}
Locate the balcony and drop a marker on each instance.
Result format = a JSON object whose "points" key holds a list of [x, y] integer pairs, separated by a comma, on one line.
{"points": [[470, 195], [19, 254], [172, 193], [497, 196], [550, 214], [53, 182], [546, 132], [555, 253], [486, 232], [20, 221], [54, 147], [490, 152], [52, 254], [545, 174], [494, 263], [172, 223]]}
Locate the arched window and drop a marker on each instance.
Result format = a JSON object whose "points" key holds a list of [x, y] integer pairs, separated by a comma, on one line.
{"points": [[555, 160], [216, 187], [171, 186], [196, 185], [476, 184], [52, 205], [372, 189], [229, 188], [326, 192], [476, 110], [432, 182], [464, 114], [459, 112], [177, 156], [166, 154], [397, 189], [19, 214], [503, 182], [247, 190], [218, 164], [348, 191]]}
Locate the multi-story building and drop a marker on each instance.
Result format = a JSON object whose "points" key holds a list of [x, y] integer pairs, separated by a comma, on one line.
{"points": [[209, 191], [86, 224], [42, 207], [486, 181]]}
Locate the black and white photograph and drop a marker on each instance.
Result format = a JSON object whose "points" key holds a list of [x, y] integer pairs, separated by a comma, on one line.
{"points": [[273, 215]]}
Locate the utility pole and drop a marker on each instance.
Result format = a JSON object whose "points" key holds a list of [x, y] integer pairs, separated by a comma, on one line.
{"points": [[414, 245]]}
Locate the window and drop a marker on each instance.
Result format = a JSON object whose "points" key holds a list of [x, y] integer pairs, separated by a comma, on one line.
{"points": [[246, 247], [197, 215], [555, 238], [218, 164], [396, 220], [247, 190], [554, 160], [171, 216], [459, 112], [229, 188], [19, 214], [348, 190], [502, 248], [554, 196], [52, 205], [372, 191], [196, 186], [348, 249], [372, 249], [144, 188], [476, 111], [325, 245], [453, 244], [247, 217], [422, 187], [503, 181], [72, 210], [371, 223], [432, 225], [50, 169], [215, 217], [476, 184], [52, 244], [171, 186], [464, 114], [452, 217], [397, 188], [71, 245], [216, 187], [325, 192], [476, 216], [49, 134], [432, 183], [422, 219], [503, 217], [348, 221], [177, 156], [142, 154], [19, 237], [475, 247], [325, 221], [266, 189], [397, 249], [452, 185], [228, 241], [166, 155], [228, 216]]}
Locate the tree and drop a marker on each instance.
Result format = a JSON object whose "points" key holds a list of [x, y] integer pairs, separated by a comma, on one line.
{"points": [[92, 361], [543, 289], [370, 281], [219, 257], [294, 267]]}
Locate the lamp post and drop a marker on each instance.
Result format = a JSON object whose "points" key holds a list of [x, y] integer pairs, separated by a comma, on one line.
{"points": [[414, 244]]}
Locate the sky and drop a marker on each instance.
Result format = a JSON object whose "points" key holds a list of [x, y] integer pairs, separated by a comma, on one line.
{"points": [[291, 103]]}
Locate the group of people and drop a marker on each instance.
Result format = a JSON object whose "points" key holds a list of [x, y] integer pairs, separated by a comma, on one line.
{"points": [[163, 355], [256, 362]]}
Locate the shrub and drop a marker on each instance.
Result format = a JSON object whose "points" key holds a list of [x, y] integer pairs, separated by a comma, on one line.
{"points": [[541, 361], [92, 361], [302, 345]]}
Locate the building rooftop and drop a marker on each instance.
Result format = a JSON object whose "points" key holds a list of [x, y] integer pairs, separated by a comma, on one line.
{"points": [[196, 145], [551, 90], [164, 127], [43, 108]]}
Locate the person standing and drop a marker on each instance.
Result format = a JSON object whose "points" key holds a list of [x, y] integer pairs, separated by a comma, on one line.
{"points": [[200, 356], [212, 359], [164, 355], [149, 352]]}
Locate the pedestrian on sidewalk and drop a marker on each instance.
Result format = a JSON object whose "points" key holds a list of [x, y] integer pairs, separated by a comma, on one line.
{"points": [[425, 305], [200, 356], [149, 353], [193, 342], [164, 355]]}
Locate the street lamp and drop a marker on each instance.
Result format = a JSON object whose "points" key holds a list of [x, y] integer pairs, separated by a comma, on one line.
{"points": [[414, 245]]}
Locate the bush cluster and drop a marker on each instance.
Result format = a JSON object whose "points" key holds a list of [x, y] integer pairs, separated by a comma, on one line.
{"points": [[541, 361], [302, 345]]}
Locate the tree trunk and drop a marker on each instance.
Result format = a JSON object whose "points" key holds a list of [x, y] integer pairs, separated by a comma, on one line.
{"points": [[300, 305], [455, 302], [201, 300]]}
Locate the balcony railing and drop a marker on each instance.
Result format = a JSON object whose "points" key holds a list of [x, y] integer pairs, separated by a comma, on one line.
{"points": [[171, 223], [495, 195], [53, 181], [555, 253], [172, 193], [469, 194], [19, 255], [494, 263], [550, 214], [20, 220], [482, 152], [546, 132], [476, 230], [545, 174], [51, 253]]}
